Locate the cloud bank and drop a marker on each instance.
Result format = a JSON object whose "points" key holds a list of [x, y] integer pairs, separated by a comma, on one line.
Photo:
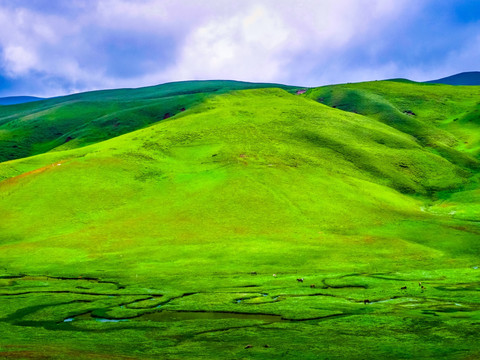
{"points": [[53, 47]]}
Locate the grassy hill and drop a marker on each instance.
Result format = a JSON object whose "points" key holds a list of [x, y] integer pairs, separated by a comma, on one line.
{"points": [[186, 236], [442, 118], [82, 119]]}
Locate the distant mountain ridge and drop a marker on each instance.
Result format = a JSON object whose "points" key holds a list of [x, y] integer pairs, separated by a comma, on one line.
{"points": [[13, 100], [465, 78]]}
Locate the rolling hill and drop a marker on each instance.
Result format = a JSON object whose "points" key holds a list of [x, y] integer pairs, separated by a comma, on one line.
{"points": [[14, 100], [81, 119], [342, 221], [465, 78]]}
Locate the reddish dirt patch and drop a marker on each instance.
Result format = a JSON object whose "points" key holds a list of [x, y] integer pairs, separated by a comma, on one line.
{"points": [[445, 205], [369, 239], [22, 355], [14, 180]]}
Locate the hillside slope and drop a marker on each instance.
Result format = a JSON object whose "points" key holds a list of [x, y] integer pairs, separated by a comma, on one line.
{"points": [[81, 119], [440, 117], [254, 224], [223, 163]]}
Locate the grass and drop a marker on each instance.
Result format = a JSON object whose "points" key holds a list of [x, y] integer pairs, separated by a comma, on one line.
{"points": [[82, 119], [428, 112], [177, 228]]}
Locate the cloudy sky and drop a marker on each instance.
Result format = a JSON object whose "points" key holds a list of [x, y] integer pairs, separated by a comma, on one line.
{"points": [[53, 47]]}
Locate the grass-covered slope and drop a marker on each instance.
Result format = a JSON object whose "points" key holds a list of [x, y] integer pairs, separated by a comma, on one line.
{"points": [[163, 241], [441, 117], [251, 165], [82, 119]]}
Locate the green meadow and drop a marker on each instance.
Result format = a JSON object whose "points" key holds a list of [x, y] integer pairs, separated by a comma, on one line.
{"points": [[228, 220]]}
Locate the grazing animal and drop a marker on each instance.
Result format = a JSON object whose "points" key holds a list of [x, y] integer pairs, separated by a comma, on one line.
{"points": [[366, 301], [424, 288], [420, 283], [312, 286], [266, 346], [248, 346], [253, 273], [274, 275], [403, 288], [300, 280]]}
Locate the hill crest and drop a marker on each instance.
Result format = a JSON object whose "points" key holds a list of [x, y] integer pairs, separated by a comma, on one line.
{"points": [[464, 78], [14, 100]]}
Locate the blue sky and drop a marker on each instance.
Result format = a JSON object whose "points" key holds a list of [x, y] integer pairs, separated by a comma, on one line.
{"points": [[54, 47]]}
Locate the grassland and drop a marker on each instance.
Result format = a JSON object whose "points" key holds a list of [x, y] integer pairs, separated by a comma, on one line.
{"points": [[184, 237], [82, 119]]}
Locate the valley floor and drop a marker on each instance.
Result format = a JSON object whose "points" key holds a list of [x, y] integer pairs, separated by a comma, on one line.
{"points": [[404, 315]]}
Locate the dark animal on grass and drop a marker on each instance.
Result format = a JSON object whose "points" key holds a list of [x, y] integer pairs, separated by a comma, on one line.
{"points": [[248, 346], [312, 286], [300, 280], [366, 301], [403, 288], [253, 273]]}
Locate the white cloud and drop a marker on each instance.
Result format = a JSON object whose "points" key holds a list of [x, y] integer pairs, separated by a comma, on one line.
{"points": [[254, 44], [18, 60], [23, 37], [282, 41], [305, 42]]}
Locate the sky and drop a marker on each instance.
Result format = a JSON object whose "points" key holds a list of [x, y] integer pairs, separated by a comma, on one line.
{"points": [[56, 47]]}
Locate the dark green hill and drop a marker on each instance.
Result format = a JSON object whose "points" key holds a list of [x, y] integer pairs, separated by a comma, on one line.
{"points": [[465, 78], [14, 100]]}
